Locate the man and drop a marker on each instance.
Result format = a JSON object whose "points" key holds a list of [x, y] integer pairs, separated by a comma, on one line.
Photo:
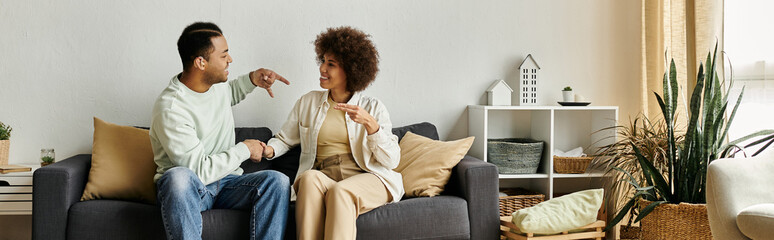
{"points": [[192, 134]]}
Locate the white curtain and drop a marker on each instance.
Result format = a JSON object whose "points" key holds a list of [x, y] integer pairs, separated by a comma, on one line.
{"points": [[686, 30]]}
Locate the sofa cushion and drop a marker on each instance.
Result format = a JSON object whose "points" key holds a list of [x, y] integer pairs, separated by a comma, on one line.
{"points": [[560, 214], [107, 219], [756, 221], [122, 164], [441, 217], [426, 164], [423, 129]]}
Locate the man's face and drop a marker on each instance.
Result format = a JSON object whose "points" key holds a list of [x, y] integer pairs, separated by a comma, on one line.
{"points": [[216, 69]]}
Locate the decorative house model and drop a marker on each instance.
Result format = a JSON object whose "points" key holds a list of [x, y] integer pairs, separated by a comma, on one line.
{"points": [[528, 81], [499, 93]]}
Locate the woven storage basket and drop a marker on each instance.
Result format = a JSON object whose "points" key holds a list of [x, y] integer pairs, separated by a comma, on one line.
{"points": [[629, 232], [4, 147], [515, 155], [518, 198], [571, 164], [675, 222]]}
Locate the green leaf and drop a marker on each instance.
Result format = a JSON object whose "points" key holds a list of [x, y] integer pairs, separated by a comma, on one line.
{"points": [[664, 108], [759, 141], [752, 135], [713, 131], [733, 114], [730, 81], [694, 108], [763, 148], [666, 91], [645, 189], [653, 176], [631, 179], [622, 213], [673, 77], [645, 211]]}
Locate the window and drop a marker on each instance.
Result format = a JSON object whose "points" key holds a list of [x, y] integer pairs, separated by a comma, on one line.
{"points": [[747, 41], [534, 76], [534, 70]]}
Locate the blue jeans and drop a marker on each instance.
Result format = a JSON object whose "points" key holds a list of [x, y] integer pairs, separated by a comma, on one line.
{"points": [[182, 197]]}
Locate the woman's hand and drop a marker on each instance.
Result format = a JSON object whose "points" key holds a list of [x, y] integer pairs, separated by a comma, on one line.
{"points": [[359, 115], [268, 151]]}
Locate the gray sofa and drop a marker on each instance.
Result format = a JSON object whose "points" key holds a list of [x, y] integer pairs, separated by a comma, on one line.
{"points": [[468, 209]]}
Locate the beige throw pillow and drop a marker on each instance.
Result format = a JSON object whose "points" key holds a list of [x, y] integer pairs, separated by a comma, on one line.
{"points": [[560, 214], [122, 164], [426, 164]]}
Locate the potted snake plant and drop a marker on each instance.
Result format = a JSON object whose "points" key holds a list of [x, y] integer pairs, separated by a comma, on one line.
{"points": [[668, 194]]}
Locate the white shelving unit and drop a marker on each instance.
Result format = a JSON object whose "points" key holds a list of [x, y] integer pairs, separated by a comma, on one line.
{"points": [[16, 192], [558, 127]]}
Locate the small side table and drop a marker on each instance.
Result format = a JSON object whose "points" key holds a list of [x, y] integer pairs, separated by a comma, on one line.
{"points": [[16, 192]]}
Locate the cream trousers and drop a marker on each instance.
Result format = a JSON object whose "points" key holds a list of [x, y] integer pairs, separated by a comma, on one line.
{"points": [[331, 198]]}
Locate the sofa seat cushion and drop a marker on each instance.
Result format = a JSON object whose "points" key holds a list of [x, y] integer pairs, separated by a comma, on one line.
{"points": [[109, 219], [756, 221], [439, 217]]}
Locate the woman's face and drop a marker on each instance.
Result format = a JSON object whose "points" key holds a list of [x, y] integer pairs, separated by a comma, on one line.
{"points": [[332, 76]]}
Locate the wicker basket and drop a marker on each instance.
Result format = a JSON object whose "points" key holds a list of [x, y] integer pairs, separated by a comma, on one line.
{"points": [[515, 155], [4, 146], [675, 221], [629, 232], [518, 198], [571, 164]]}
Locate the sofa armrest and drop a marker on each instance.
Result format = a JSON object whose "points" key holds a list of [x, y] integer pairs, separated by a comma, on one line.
{"points": [[734, 184], [56, 187], [477, 181]]}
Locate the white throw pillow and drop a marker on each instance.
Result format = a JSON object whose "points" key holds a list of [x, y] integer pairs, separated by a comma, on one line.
{"points": [[560, 214]]}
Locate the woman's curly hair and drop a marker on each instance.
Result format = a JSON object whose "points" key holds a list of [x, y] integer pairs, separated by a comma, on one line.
{"points": [[354, 51]]}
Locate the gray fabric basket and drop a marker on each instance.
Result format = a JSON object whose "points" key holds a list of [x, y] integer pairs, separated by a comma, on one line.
{"points": [[515, 155]]}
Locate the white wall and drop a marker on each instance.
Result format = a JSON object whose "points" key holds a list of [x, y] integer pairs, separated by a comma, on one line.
{"points": [[66, 61]]}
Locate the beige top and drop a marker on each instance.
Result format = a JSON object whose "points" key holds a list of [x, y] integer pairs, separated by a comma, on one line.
{"points": [[377, 153], [333, 139]]}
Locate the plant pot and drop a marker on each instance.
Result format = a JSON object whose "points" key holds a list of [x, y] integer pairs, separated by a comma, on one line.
{"points": [[567, 96], [675, 221], [4, 151], [629, 232], [43, 164]]}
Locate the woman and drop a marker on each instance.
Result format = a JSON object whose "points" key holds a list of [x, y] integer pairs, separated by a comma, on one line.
{"points": [[348, 150]]}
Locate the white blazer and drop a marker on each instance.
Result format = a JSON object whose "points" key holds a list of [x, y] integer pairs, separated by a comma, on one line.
{"points": [[378, 153]]}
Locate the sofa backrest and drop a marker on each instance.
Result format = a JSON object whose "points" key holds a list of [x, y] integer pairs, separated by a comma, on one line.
{"points": [[288, 163], [424, 129]]}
